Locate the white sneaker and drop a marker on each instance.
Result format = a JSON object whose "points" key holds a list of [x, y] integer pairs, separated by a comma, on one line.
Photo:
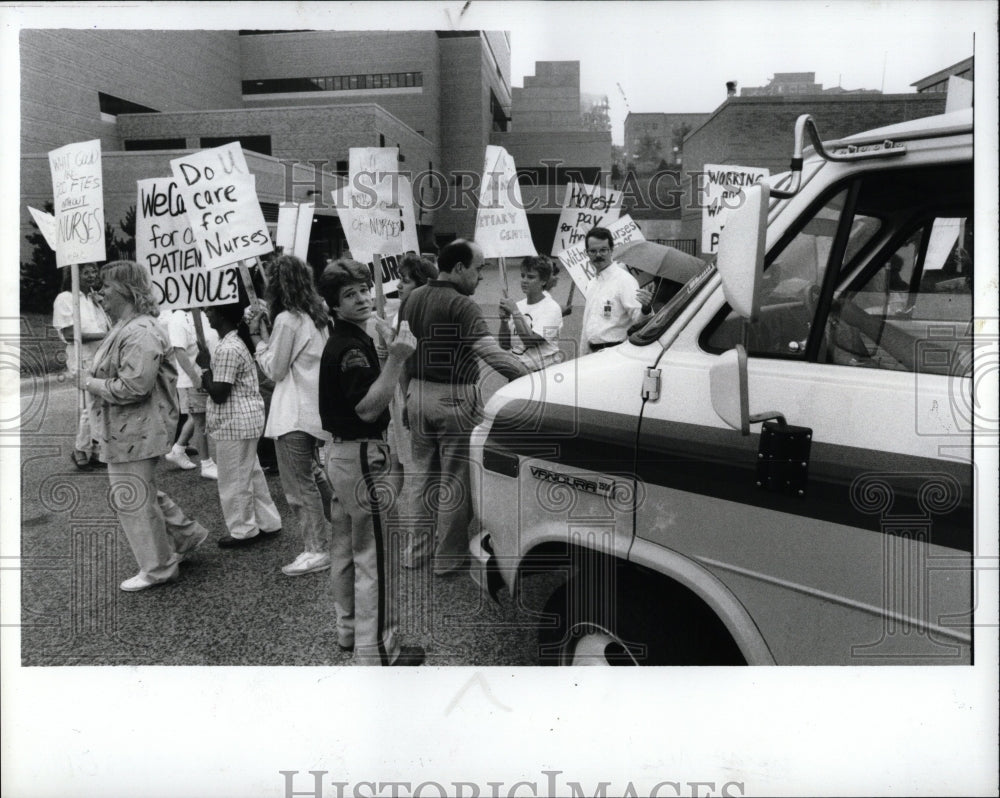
{"points": [[307, 562], [179, 458], [141, 581], [209, 470]]}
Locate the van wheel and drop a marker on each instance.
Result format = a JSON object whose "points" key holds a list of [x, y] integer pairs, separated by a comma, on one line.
{"points": [[647, 623], [588, 630]]}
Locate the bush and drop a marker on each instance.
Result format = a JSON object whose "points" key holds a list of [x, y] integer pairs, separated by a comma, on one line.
{"points": [[41, 279]]}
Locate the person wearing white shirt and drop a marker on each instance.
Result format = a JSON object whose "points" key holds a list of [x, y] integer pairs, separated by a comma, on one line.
{"points": [[94, 326], [530, 327], [184, 340], [291, 358], [614, 300]]}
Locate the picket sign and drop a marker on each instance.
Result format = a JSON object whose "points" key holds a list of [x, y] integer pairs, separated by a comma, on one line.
{"points": [[722, 191], [166, 245], [46, 223], [575, 260], [501, 219], [78, 199], [376, 210], [295, 228], [583, 209], [220, 198]]}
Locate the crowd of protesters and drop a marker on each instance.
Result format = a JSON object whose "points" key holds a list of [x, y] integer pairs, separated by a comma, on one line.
{"points": [[365, 431]]}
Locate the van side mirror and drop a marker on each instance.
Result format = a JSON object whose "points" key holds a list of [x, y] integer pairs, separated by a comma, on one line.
{"points": [[728, 388], [740, 261]]}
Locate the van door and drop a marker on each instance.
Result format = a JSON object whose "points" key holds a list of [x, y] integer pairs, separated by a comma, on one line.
{"points": [[863, 554]]}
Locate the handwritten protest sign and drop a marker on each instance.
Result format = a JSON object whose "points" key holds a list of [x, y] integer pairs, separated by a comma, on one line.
{"points": [[166, 245], [221, 202], [79, 202], [584, 207], [578, 264], [721, 190], [294, 228], [501, 221], [376, 210], [46, 223]]}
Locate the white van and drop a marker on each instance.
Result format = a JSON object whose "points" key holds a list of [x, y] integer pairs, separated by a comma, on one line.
{"points": [[777, 468]]}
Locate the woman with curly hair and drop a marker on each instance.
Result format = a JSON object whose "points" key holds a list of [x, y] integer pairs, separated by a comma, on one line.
{"points": [[133, 381], [291, 358]]}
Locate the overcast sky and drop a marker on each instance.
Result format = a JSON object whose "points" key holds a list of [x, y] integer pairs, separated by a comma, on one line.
{"points": [[678, 56], [667, 56]]}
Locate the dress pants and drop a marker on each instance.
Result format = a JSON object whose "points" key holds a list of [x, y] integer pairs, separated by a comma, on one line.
{"points": [[84, 437], [155, 527], [366, 486], [442, 416], [246, 501], [306, 487]]}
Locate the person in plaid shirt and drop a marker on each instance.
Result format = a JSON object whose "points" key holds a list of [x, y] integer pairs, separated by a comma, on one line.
{"points": [[235, 420]]}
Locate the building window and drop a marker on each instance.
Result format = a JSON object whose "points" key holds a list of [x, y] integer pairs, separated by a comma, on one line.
{"points": [[261, 144], [558, 176], [384, 80], [139, 145], [381, 140], [112, 106]]}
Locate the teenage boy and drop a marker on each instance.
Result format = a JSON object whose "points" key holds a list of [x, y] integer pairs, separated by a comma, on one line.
{"points": [[354, 397]]}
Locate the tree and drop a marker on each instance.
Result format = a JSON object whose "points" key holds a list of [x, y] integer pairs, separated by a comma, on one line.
{"points": [[41, 279], [649, 151], [677, 134]]}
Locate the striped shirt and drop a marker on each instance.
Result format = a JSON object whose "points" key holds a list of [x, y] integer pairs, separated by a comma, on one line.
{"points": [[241, 416]]}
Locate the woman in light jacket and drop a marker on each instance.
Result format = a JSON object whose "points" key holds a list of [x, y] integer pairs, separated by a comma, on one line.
{"points": [[291, 358], [133, 381]]}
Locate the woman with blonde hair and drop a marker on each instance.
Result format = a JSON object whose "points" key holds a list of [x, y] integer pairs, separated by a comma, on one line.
{"points": [[291, 358], [133, 381]]}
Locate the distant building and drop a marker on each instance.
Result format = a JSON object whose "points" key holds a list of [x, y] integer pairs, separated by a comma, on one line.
{"points": [[785, 84], [552, 143], [663, 130], [758, 131], [938, 82], [288, 96]]}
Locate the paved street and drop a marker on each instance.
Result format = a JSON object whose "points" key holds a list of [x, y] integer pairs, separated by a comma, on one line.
{"points": [[228, 607]]}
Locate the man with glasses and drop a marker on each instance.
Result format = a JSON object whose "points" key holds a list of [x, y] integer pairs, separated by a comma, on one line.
{"points": [[614, 300]]}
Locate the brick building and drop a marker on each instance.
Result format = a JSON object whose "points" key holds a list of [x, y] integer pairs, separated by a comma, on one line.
{"points": [[302, 97], [758, 131]]}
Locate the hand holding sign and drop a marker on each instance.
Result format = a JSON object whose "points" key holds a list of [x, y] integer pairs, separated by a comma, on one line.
{"points": [[404, 343]]}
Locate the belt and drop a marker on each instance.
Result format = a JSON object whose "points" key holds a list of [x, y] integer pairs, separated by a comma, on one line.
{"points": [[338, 439], [604, 345]]}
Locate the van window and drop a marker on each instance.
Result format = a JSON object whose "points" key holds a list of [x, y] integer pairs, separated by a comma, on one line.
{"points": [[909, 311], [792, 283], [900, 296]]}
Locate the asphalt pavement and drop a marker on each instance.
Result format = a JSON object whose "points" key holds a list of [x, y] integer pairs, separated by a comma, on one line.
{"points": [[228, 607]]}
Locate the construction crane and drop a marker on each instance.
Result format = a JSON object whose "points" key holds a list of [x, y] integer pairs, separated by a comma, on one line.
{"points": [[622, 92]]}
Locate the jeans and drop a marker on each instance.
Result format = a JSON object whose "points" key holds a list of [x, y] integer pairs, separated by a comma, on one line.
{"points": [[306, 487]]}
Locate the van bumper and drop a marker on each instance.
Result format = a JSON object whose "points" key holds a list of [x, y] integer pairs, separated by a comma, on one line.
{"points": [[483, 569]]}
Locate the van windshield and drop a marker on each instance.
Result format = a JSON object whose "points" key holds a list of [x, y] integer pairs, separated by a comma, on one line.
{"points": [[653, 329]]}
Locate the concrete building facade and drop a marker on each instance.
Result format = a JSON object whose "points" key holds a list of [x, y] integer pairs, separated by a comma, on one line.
{"points": [[552, 144], [295, 96]]}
